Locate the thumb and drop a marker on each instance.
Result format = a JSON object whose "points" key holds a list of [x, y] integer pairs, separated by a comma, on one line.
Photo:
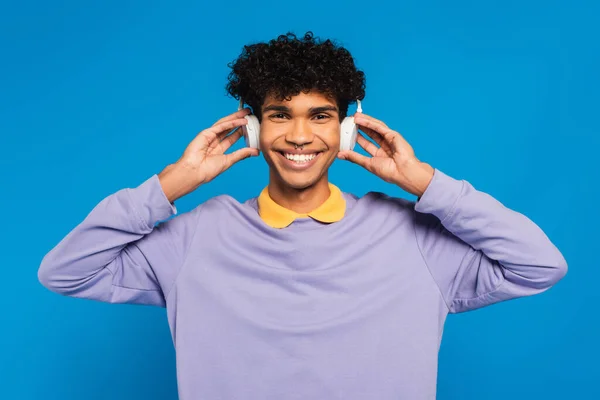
{"points": [[240, 155], [356, 158]]}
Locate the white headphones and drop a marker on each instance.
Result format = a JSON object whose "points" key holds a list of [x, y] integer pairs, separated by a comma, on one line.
{"points": [[348, 131]]}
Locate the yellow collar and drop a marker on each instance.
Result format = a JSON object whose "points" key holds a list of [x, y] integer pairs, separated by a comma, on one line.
{"points": [[276, 216]]}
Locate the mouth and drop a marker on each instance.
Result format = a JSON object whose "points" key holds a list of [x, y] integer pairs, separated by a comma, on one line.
{"points": [[299, 161]]}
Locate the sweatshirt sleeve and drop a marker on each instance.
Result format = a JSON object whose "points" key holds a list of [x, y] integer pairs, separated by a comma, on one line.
{"points": [[122, 252], [478, 251]]}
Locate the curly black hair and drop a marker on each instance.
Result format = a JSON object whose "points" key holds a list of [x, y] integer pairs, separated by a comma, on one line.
{"points": [[288, 65]]}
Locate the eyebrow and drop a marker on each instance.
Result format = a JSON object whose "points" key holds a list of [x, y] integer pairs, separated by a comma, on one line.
{"points": [[313, 110]]}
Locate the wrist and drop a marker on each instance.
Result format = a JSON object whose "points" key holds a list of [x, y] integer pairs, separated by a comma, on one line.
{"points": [[419, 176], [177, 180]]}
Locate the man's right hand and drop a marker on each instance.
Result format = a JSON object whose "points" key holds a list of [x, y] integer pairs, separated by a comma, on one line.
{"points": [[205, 158]]}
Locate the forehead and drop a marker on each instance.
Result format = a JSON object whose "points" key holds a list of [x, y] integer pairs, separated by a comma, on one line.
{"points": [[301, 100]]}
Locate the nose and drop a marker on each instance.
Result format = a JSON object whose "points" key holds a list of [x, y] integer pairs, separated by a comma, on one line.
{"points": [[300, 133]]}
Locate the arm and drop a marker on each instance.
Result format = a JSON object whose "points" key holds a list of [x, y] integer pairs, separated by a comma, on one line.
{"points": [[117, 254], [478, 251]]}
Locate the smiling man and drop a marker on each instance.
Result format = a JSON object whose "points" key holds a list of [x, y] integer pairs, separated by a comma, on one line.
{"points": [[304, 291]]}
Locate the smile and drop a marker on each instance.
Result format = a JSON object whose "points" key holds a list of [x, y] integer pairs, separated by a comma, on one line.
{"points": [[299, 161], [300, 158]]}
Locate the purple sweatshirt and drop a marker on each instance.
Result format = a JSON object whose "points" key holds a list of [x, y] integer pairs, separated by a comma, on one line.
{"points": [[349, 310]]}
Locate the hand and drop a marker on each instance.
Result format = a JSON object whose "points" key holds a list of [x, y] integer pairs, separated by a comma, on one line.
{"points": [[205, 158], [393, 161]]}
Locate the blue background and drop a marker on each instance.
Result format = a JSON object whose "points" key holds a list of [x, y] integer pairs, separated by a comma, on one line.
{"points": [[97, 97]]}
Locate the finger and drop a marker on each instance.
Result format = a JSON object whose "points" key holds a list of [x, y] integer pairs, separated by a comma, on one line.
{"points": [[238, 114], [367, 116], [221, 135], [377, 127], [209, 135], [239, 155], [376, 136], [229, 140], [356, 158], [224, 141], [386, 133], [378, 139], [367, 145]]}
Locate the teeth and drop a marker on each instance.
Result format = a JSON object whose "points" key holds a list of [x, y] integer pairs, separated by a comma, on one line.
{"points": [[300, 157]]}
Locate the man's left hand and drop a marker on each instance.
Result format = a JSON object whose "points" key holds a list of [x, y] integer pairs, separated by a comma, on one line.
{"points": [[393, 161]]}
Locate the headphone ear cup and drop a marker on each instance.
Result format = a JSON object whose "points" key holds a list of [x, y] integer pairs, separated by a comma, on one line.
{"points": [[251, 131], [348, 134]]}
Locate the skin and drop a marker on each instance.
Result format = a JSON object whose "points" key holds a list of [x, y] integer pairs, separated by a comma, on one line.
{"points": [[308, 119], [390, 156]]}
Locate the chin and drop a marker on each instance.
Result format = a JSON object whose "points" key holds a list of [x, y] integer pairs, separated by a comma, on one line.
{"points": [[300, 179], [300, 182]]}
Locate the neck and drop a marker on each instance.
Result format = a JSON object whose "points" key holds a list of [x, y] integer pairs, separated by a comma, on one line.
{"points": [[301, 201]]}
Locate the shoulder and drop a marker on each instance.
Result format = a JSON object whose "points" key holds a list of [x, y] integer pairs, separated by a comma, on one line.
{"points": [[382, 203], [209, 213], [215, 204], [223, 207], [383, 210]]}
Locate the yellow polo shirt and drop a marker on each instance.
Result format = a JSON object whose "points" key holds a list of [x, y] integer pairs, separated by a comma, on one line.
{"points": [[276, 216]]}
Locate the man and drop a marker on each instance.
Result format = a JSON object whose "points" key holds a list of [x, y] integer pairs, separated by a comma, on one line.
{"points": [[304, 292]]}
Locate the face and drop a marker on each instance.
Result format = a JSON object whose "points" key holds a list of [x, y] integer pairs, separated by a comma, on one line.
{"points": [[310, 121]]}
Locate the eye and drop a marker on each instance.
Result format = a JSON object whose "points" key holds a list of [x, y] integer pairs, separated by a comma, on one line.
{"points": [[322, 117], [279, 115]]}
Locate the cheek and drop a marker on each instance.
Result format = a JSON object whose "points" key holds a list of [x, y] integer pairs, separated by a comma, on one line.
{"points": [[333, 138], [268, 135]]}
